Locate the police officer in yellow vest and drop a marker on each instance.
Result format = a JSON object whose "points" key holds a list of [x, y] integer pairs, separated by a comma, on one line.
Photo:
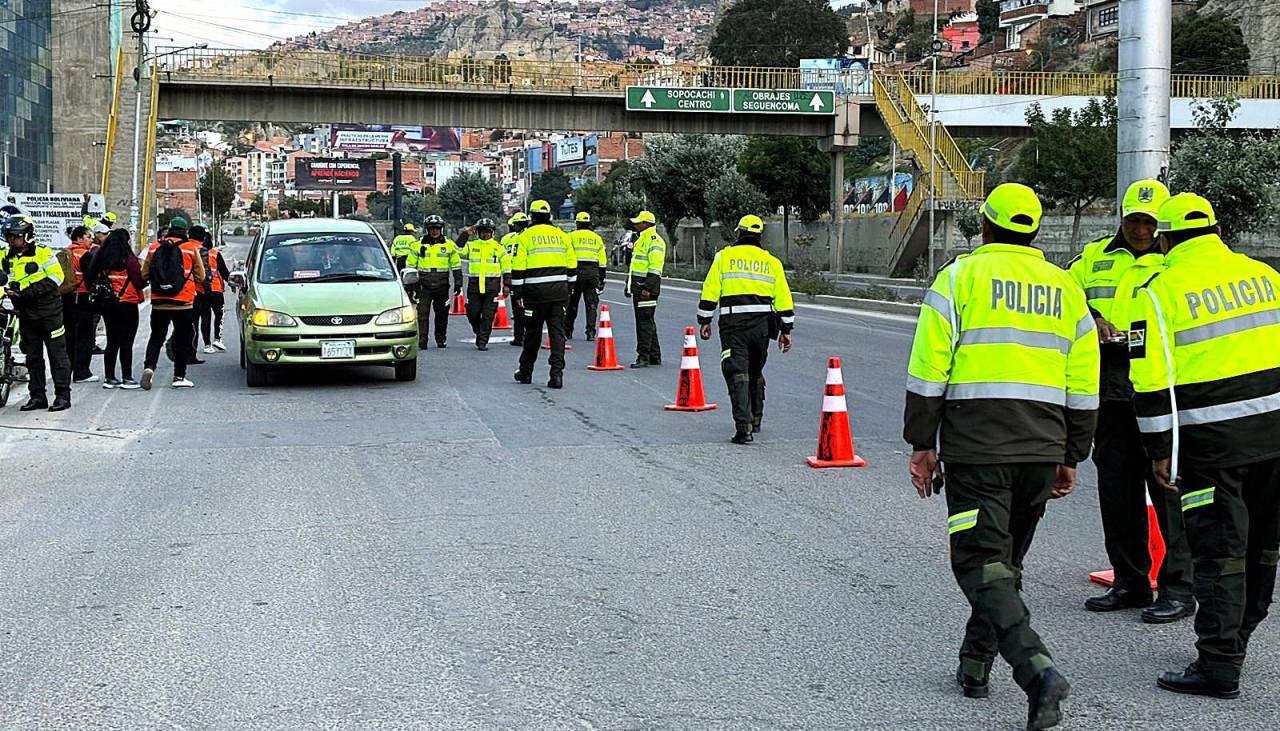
{"points": [[32, 276], [403, 244], [644, 284], [516, 226], [1205, 365], [542, 272], [593, 263], [1110, 271], [437, 261], [488, 274], [747, 284], [1003, 376]]}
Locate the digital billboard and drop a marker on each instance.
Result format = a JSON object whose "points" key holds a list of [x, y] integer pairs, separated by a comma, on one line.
{"points": [[325, 174]]}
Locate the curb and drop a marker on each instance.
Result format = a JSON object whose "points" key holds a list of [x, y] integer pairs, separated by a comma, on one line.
{"points": [[847, 303]]}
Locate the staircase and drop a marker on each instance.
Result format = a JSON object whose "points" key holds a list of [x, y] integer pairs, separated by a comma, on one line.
{"points": [[953, 183], [118, 173]]}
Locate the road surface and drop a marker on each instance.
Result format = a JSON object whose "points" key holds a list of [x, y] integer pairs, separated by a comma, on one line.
{"points": [[343, 551]]}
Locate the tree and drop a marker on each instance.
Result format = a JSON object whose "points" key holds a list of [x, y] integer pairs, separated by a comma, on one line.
{"points": [[988, 19], [256, 207], [1071, 161], [676, 171], [1209, 43], [792, 173], [417, 206], [596, 199], [778, 33], [347, 204], [626, 189], [551, 186], [216, 192], [469, 196], [732, 197], [378, 204], [1239, 172]]}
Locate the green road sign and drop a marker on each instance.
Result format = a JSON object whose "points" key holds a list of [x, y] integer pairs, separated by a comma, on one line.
{"points": [[784, 101], [673, 99]]}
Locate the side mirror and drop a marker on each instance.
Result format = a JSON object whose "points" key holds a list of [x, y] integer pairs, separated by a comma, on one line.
{"points": [[237, 279], [408, 277]]}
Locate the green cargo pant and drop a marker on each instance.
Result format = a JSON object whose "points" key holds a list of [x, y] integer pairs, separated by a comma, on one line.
{"points": [[1232, 516], [744, 348], [993, 513]]}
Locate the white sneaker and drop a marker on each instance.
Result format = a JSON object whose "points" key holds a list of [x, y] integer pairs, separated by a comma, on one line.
{"points": [[91, 378], [147, 375], [218, 344], [182, 383], [129, 384], [209, 349], [110, 383]]}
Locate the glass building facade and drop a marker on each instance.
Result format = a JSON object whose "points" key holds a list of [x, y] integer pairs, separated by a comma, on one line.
{"points": [[26, 95]]}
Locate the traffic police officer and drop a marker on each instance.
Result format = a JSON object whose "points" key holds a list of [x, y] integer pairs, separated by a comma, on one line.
{"points": [[1111, 270], [402, 244], [516, 226], [593, 263], [750, 289], [1206, 371], [488, 273], [1003, 376], [437, 261], [32, 276], [644, 284], [542, 272]]}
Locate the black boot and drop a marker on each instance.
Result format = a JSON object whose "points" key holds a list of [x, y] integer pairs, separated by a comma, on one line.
{"points": [[974, 687], [557, 381], [640, 364], [1165, 611], [1193, 681], [1113, 599], [35, 404], [60, 404], [1044, 697], [741, 437], [523, 378]]}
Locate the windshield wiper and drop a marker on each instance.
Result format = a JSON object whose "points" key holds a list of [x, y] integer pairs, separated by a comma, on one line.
{"points": [[334, 277]]}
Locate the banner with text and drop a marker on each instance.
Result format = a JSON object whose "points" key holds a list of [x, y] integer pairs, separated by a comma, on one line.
{"points": [[394, 138], [325, 174]]}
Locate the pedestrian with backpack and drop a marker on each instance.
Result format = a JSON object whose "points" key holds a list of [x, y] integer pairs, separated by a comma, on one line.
{"points": [[173, 273], [211, 312], [115, 290]]}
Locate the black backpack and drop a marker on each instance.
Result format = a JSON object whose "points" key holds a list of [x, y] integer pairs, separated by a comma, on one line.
{"points": [[166, 272]]}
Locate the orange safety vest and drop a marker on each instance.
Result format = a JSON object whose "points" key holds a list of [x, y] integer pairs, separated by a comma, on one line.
{"points": [[124, 289], [77, 253], [188, 294], [215, 277]]}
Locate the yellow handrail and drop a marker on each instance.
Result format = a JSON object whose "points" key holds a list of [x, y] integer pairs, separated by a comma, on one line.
{"points": [[1058, 84], [112, 123], [148, 182]]}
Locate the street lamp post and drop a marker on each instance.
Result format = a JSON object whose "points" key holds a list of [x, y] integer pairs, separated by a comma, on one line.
{"points": [[933, 145]]}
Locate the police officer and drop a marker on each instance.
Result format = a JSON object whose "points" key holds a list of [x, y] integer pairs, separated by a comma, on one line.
{"points": [[644, 284], [1003, 376], [593, 264], [1110, 270], [750, 289], [1206, 371], [437, 261], [516, 226], [32, 276], [542, 272], [488, 273], [403, 244]]}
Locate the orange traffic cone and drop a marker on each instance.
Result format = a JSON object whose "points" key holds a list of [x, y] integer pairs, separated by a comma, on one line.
{"points": [[689, 396], [835, 443], [546, 343], [606, 357], [459, 305], [501, 321], [1155, 547]]}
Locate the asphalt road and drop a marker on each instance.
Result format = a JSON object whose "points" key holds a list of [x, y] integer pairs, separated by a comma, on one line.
{"points": [[344, 551]]}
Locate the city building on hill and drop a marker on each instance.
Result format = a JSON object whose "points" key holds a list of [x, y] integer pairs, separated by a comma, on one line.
{"points": [[962, 33], [924, 8], [1018, 16]]}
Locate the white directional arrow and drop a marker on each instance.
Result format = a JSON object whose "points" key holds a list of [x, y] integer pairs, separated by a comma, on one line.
{"points": [[816, 105], [647, 100]]}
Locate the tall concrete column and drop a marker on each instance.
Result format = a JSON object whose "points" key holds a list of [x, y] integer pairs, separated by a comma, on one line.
{"points": [[81, 63], [1143, 88], [837, 210]]}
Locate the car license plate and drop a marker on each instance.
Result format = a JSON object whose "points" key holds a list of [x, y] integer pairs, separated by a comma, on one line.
{"points": [[337, 348]]}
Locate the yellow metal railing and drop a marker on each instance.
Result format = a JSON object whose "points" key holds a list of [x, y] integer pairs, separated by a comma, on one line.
{"points": [[1057, 84], [907, 218], [113, 122], [909, 125]]}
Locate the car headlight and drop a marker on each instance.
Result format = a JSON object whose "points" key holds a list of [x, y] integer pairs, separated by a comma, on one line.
{"points": [[270, 318], [398, 316]]}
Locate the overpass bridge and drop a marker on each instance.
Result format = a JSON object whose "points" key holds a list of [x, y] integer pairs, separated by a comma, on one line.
{"points": [[310, 86]]}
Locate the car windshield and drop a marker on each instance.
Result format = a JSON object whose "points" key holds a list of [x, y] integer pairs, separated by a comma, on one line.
{"points": [[320, 257]]}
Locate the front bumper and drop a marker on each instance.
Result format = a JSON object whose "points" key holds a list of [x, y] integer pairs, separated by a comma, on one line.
{"points": [[301, 346]]}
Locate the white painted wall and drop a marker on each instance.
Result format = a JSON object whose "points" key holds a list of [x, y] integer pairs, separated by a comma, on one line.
{"points": [[974, 110]]}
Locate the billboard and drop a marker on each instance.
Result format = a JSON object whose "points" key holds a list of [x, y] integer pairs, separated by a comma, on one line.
{"points": [[327, 174], [394, 137], [570, 151], [54, 213]]}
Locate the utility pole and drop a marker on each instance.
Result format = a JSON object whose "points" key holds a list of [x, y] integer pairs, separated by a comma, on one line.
{"points": [[140, 22], [1142, 93], [936, 48], [396, 190]]}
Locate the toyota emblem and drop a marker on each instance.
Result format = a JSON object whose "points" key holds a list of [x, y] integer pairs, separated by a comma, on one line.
{"points": [[335, 320]]}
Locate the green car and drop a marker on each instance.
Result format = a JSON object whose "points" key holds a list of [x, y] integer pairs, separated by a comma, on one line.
{"points": [[317, 292]]}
